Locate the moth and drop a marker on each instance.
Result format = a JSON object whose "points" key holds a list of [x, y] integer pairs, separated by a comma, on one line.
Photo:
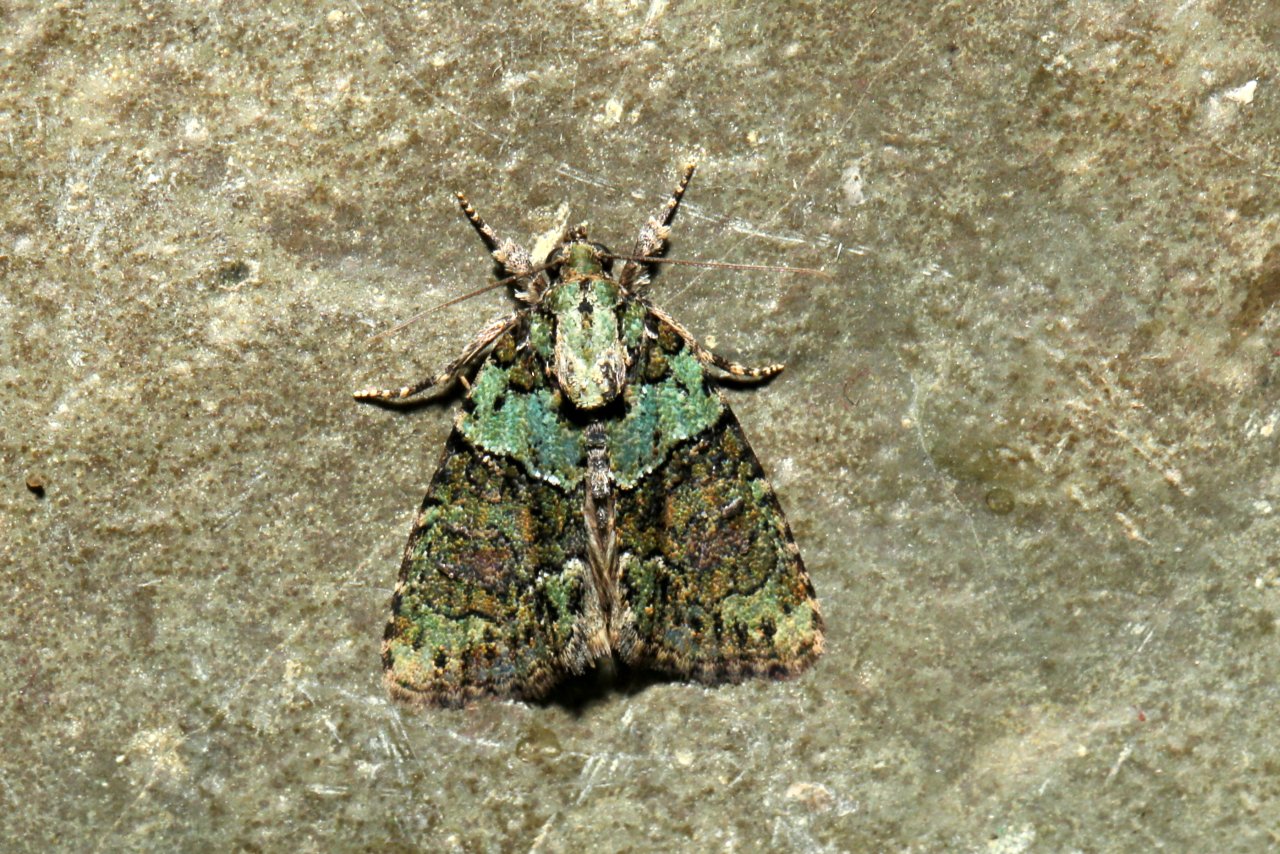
{"points": [[597, 500]]}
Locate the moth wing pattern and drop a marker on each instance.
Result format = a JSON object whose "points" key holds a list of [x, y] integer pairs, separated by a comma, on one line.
{"points": [[714, 586], [494, 595], [596, 500]]}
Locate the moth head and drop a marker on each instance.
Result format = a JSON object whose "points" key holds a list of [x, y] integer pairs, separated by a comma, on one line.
{"points": [[581, 257]]}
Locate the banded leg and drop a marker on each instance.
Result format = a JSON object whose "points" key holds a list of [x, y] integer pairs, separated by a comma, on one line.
{"points": [[514, 258], [654, 232], [453, 371], [707, 357]]}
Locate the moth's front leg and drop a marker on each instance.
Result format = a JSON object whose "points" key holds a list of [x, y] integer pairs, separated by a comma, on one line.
{"points": [[707, 357], [452, 372]]}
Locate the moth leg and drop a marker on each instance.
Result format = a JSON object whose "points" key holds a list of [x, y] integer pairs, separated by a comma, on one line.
{"points": [[452, 372], [514, 259], [707, 357], [654, 232]]}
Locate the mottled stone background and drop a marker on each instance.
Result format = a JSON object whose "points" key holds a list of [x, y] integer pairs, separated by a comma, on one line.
{"points": [[1027, 437]]}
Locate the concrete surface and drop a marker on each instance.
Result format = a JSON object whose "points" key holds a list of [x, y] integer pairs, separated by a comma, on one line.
{"points": [[1027, 436]]}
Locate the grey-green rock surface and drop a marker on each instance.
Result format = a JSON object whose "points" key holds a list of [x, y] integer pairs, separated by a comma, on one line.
{"points": [[1026, 439]]}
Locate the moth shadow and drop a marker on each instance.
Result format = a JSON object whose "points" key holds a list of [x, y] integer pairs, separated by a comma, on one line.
{"points": [[408, 406], [606, 681]]}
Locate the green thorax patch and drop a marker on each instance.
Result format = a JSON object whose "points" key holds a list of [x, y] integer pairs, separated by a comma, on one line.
{"points": [[590, 358]]}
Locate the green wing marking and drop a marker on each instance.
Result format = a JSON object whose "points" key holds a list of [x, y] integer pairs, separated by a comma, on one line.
{"points": [[713, 582], [495, 593], [513, 411], [667, 403]]}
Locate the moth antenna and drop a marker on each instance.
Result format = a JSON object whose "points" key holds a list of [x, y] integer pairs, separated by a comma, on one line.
{"points": [[487, 234], [673, 204], [490, 287]]}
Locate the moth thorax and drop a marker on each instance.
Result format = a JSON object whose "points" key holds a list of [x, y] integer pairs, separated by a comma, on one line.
{"points": [[591, 360]]}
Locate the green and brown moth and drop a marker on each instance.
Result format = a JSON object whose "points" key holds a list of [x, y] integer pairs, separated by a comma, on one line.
{"points": [[596, 500]]}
